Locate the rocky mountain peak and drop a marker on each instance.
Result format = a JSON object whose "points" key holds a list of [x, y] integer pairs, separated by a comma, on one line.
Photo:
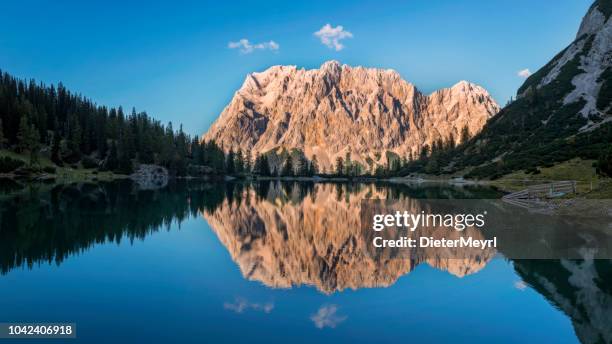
{"points": [[331, 67], [593, 21], [337, 109], [586, 63]]}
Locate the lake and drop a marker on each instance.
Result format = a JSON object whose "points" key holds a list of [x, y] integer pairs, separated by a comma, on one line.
{"points": [[270, 262]]}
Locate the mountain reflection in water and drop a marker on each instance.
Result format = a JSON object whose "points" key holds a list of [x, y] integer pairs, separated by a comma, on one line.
{"points": [[312, 236], [282, 234]]}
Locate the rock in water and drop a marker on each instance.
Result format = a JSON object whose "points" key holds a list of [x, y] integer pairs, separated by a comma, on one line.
{"points": [[150, 177]]}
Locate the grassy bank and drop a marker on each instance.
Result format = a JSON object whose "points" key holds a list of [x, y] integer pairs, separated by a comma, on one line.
{"points": [[588, 183], [46, 169]]}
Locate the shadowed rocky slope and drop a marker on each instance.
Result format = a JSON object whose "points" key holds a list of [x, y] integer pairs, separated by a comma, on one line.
{"points": [[562, 111]]}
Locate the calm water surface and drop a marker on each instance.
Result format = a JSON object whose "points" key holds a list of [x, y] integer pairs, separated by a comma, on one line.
{"points": [[269, 262]]}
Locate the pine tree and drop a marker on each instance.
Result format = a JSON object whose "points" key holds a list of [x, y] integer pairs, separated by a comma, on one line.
{"points": [[451, 142], [112, 162], [348, 164], [303, 166], [124, 161], [265, 167], [196, 151], [380, 171], [214, 157], [100, 133], [29, 140], [314, 166], [127, 143], [288, 167], [261, 165], [167, 148], [56, 149], [395, 165], [239, 162], [339, 166], [22, 135], [74, 135], [230, 164], [604, 164], [146, 154], [34, 145], [424, 152], [247, 162], [3, 139], [465, 134]]}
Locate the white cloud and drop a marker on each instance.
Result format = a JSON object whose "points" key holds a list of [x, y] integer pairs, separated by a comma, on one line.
{"points": [[331, 36], [524, 73], [247, 47], [520, 285], [241, 304], [327, 316]]}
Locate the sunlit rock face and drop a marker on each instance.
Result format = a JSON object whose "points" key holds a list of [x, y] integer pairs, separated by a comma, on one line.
{"points": [[287, 238], [337, 108]]}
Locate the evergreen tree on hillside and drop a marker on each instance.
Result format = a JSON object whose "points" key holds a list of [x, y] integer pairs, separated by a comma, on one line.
{"points": [[22, 135], [56, 149], [288, 167], [74, 135], [230, 163], [214, 157], [303, 166], [112, 162], [34, 145], [424, 152], [339, 166], [247, 162], [265, 167], [29, 140], [261, 166], [195, 152], [604, 164], [348, 164], [450, 143], [239, 162], [3, 139], [124, 160], [146, 153], [465, 134], [314, 166], [257, 165]]}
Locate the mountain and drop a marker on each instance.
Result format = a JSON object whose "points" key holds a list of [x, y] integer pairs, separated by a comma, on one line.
{"points": [[562, 111], [337, 109]]}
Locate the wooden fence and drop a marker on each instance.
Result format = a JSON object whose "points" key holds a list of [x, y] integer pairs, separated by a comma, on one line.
{"points": [[542, 191]]}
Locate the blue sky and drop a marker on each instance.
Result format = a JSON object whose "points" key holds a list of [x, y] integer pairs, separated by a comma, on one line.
{"points": [[174, 60]]}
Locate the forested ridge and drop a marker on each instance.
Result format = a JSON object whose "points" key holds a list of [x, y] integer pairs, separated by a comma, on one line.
{"points": [[70, 129]]}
